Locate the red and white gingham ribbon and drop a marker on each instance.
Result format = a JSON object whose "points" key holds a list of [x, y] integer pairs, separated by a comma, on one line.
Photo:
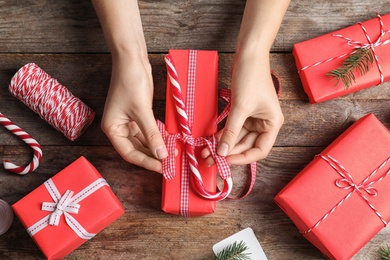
{"points": [[190, 163], [66, 204], [347, 183], [371, 45], [4, 121]]}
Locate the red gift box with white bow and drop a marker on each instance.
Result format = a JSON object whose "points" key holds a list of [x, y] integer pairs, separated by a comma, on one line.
{"points": [[68, 209]]}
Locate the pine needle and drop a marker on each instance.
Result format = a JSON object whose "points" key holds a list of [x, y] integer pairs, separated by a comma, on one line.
{"points": [[360, 60], [235, 251], [384, 253]]}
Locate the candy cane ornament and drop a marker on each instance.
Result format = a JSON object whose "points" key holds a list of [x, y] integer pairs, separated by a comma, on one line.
{"points": [[185, 129], [25, 137]]}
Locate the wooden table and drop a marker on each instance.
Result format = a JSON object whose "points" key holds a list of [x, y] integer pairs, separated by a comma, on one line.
{"points": [[65, 39]]}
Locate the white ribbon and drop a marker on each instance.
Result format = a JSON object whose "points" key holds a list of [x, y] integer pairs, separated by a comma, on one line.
{"points": [[66, 204]]}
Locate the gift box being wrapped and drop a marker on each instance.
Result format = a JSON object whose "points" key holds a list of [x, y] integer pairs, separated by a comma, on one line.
{"points": [[340, 200], [198, 78], [316, 57], [68, 209]]}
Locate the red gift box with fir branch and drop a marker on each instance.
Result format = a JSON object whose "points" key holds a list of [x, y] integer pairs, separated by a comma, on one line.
{"points": [[316, 57], [340, 200], [199, 68], [68, 209]]}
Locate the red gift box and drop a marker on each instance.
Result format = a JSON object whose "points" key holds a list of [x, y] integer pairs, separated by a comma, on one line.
{"points": [[69, 208], [339, 201], [316, 57], [199, 68]]}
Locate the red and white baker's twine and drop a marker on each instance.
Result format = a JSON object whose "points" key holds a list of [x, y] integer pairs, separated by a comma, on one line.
{"points": [[347, 183], [4, 121], [371, 45], [6, 216], [52, 101]]}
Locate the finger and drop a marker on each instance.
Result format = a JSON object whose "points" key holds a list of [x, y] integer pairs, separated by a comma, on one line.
{"points": [[135, 131], [261, 150], [209, 161], [129, 153], [231, 131], [246, 142], [152, 135], [205, 153]]}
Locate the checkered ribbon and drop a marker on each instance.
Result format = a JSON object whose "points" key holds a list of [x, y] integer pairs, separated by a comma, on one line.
{"points": [[16, 130], [67, 205], [347, 183], [370, 44], [189, 162]]}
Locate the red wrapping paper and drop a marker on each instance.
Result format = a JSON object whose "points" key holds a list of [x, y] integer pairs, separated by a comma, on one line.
{"points": [[97, 211], [205, 116], [318, 86], [313, 192]]}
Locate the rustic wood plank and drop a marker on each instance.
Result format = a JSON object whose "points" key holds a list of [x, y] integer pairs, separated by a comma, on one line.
{"points": [[72, 26], [91, 80], [65, 39], [145, 232], [305, 124], [318, 124]]}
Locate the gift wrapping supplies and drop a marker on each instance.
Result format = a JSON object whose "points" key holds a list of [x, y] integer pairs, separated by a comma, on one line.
{"points": [[340, 200], [316, 57], [68, 209]]}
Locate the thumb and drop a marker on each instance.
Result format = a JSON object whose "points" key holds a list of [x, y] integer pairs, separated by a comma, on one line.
{"points": [[230, 133], [152, 135]]}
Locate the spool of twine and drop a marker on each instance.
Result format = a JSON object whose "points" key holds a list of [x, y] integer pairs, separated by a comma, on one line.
{"points": [[52, 101], [6, 216]]}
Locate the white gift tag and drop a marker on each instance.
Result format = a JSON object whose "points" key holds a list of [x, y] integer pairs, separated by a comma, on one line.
{"points": [[248, 237]]}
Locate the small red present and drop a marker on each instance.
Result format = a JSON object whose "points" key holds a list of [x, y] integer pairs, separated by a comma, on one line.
{"points": [[339, 201], [316, 57], [68, 209], [197, 73]]}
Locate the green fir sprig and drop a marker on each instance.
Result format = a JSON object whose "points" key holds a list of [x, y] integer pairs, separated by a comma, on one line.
{"points": [[384, 253], [235, 251], [360, 60]]}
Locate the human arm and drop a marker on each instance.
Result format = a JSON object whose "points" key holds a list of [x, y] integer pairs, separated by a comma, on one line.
{"points": [[128, 119], [256, 117]]}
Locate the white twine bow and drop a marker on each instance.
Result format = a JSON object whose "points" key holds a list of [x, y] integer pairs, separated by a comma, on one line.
{"points": [[66, 205]]}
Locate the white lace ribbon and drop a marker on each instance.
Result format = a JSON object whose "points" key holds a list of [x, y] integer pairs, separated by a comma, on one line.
{"points": [[66, 205]]}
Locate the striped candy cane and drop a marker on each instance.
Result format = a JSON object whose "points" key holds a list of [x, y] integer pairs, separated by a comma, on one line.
{"points": [[189, 148], [28, 140]]}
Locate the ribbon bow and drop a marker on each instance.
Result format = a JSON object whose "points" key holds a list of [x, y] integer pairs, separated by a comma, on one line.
{"points": [[190, 143], [347, 182], [66, 205], [63, 205], [371, 45]]}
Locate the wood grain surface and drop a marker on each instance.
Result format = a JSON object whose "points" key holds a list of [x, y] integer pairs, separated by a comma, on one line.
{"points": [[64, 38]]}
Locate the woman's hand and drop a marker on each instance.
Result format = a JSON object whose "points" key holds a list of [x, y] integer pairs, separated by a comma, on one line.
{"points": [[128, 119]]}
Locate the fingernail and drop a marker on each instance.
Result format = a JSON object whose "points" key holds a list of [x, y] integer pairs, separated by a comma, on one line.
{"points": [[161, 152], [223, 149]]}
